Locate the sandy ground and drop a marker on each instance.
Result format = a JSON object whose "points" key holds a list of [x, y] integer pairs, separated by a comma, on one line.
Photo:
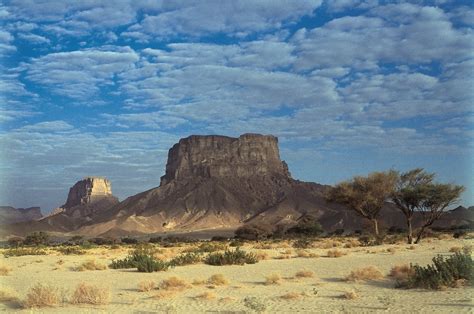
{"points": [[321, 294]]}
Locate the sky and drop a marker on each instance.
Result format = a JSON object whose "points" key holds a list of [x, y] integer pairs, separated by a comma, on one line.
{"points": [[105, 88]]}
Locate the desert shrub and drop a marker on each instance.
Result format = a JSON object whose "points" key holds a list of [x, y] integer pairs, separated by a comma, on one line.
{"points": [[291, 296], [219, 239], [253, 232], [459, 234], [236, 257], [148, 264], [174, 283], [304, 274], [15, 242], [218, 280], [366, 273], [306, 226], [36, 238], [129, 240], [41, 295], [401, 273], [273, 279], [4, 270], [155, 240], [103, 241], [146, 285], [90, 265], [186, 259], [261, 255], [142, 258], [443, 272], [350, 295], [303, 244], [335, 253], [236, 243], [70, 250], [455, 249], [371, 240], [21, 251], [209, 247], [206, 296], [90, 294], [255, 304]]}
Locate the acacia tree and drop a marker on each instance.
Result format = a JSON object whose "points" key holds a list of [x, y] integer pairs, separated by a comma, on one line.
{"points": [[416, 193], [365, 195], [410, 193], [438, 197]]}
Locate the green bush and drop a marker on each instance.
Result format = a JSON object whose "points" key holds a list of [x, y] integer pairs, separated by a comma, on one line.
{"points": [[306, 226], [236, 257], [443, 272], [21, 251], [36, 238], [186, 259], [142, 259]]}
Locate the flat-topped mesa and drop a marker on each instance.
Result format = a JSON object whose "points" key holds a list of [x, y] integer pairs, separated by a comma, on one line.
{"points": [[221, 156], [88, 190]]}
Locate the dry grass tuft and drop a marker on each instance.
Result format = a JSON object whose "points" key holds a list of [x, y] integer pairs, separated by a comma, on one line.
{"points": [[352, 243], [90, 265], [218, 280], [455, 249], [335, 253], [60, 262], [411, 247], [4, 270], [199, 282], [146, 285], [263, 246], [350, 295], [262, 255], [304, 274], [164, 294], [303, 253], [90, 294], [401, 272], [41, 296], [273, 279], [174, 283], [291, 296], [206, 296], [366, 273], [391, 250]]}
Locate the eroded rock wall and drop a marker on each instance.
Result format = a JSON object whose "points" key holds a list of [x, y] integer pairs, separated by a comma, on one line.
{"points": [[87, 191], [221, 156]]}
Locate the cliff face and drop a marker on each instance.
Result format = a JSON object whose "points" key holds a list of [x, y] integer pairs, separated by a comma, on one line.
{"points": [[88, 190], [220, 157]]}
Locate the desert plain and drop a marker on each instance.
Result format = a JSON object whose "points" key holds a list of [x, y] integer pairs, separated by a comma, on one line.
{"points": [[285, 280]]}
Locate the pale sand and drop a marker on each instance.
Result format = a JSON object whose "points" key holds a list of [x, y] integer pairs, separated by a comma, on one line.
{"points": [[322, 293]]}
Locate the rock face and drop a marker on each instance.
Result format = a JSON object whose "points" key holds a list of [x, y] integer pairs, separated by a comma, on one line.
{"points": [[9, 215], [215, 156], [88, 190]]}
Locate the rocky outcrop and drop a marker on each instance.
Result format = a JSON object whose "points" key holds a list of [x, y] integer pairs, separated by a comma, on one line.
{"points": [[9, 215], [88, 190], [216, 156]]}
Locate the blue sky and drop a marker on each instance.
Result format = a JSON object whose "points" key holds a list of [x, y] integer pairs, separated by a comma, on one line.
{"points": [[349, 87]]}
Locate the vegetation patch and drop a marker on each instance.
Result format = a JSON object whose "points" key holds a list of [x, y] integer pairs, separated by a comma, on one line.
{"points": [[41, 295], [146, 285], [22, 251], [70, 250], [273, 279], [90, 294], [236, 257], [143, 259], [174, 283], [218, 280], [366, 273], [186, 259], [444, 272], [91, 265]]}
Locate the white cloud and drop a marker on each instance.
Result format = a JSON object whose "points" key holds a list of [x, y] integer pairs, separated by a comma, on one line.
{"points": [[80, 74], [34, 39]]}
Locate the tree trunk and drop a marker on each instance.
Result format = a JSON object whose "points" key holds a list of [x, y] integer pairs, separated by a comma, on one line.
{"points": [[376, 226], [410, 231], [418, 238]]}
